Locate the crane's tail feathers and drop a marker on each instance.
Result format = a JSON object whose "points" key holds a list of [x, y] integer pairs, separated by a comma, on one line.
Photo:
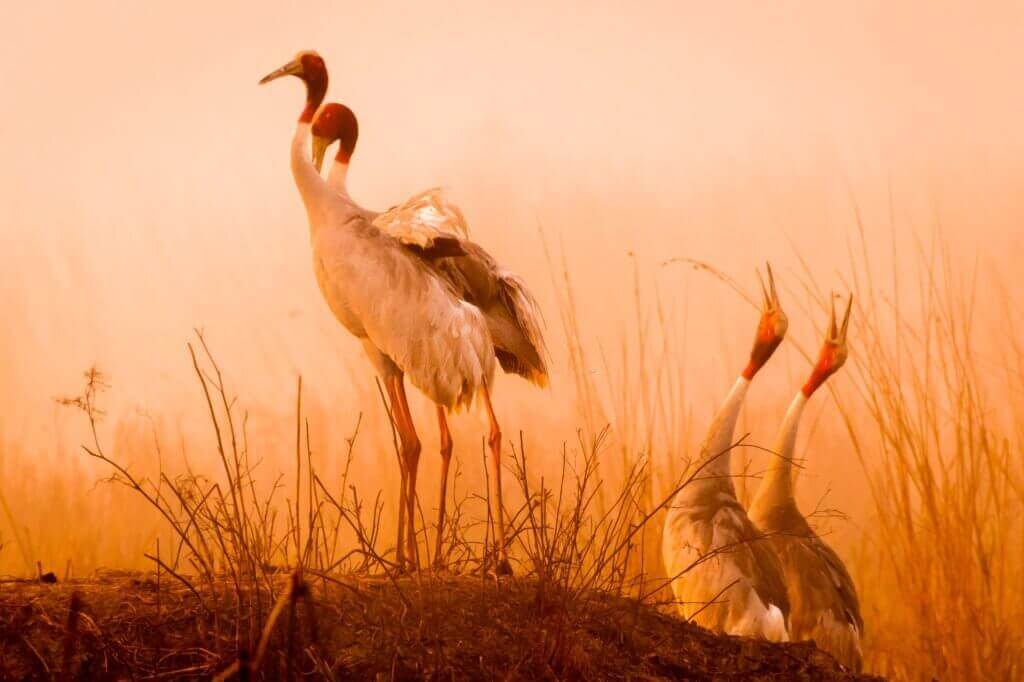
{"points": [[511, 364], [520, 302]]}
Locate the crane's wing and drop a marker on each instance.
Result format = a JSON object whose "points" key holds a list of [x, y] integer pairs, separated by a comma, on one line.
{"points": [[427, 223], [826, 607], [812, 566], [764, 565], [511, 310], [824, 580], [408, 312], [737, 564]]}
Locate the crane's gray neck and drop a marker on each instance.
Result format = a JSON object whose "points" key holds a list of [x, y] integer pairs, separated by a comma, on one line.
{"points": [[777, 488]]}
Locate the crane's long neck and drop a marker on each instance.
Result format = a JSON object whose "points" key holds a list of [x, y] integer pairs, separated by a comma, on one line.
{"points": [[715, 455], [311, 186], [778, 485], [337, 178]]}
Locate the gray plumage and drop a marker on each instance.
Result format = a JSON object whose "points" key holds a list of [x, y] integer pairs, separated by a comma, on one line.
{"points": [[824, 600], [434, 229]]}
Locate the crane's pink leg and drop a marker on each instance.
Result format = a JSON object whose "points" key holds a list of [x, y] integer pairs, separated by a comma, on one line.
{"points": [[410, 461], [446, 458], [497, 508], [391, 383]]}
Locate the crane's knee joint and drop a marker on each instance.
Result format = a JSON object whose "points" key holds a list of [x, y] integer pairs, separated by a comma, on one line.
{"points": [[411, 451], [494, 440]]}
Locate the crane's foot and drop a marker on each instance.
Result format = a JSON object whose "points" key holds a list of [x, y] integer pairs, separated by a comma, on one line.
{"points": [[402, 566], [441, 568], [503, 568], [498, 566]]}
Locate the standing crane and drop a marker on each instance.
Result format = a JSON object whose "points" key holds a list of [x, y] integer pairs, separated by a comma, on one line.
{"points": [[724, 575], [435, 231], [410, 320], [825, 606]]}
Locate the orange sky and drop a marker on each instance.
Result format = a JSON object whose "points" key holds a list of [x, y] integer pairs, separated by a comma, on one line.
{"points": [[145, 186]]}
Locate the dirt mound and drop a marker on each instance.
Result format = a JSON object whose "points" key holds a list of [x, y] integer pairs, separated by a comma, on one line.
{"points": [[118, 626]]}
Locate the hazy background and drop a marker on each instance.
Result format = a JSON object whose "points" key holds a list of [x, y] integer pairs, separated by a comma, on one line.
{"points": [[145, 191]]}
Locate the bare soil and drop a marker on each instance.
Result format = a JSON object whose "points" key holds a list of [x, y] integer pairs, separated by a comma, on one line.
{"points": [[119, 625]]}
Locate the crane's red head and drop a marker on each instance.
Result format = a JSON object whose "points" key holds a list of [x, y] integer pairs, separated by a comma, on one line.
{"points": [[334, 122], [310, 68], [771, 329], [833, 351]]}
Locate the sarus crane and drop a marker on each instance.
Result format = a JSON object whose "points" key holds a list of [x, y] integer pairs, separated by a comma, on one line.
{"points": [[823, 599], [434, 229], [410, 319], [725, 575]]}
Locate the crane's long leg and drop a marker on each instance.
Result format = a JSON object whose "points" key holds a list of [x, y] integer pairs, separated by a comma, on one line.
{"points": [[390, 384], [497, 508], [410, 462], [446, 458]]}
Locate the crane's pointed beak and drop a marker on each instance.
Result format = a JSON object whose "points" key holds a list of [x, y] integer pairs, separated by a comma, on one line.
{"points": [[846, 319], [292, 68], [320, 145]]}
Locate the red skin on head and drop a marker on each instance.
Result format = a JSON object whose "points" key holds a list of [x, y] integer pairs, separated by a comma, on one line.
{"points": [[828, 363], [314, 74], [337, 122], [765, 343]]}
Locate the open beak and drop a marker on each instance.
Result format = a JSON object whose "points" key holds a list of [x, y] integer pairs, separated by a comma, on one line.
{"points": [[292, 68], [320, 145], [771, 295], [846, 319], [772, 305], [837, 334]]}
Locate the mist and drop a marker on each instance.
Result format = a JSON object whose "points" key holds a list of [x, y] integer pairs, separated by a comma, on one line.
{"points": [[146, 189]]}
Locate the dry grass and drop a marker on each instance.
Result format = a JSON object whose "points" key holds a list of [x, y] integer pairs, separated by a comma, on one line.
{"points": [[934, 416], [225, 600], [937, 428], [935, 419]]}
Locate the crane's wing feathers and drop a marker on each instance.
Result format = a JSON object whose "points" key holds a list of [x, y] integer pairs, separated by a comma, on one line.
{"points": [[439, 247], [529, 359], [823, 578], [713, 551], [826, 608], [413, 315], [433, 228], [511, 310], [427, 222], [813, 569], [758, 559]]}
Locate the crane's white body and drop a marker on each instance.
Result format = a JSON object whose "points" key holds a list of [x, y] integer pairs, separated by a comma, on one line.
{"points": [[713, 553], [407, 317]]}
